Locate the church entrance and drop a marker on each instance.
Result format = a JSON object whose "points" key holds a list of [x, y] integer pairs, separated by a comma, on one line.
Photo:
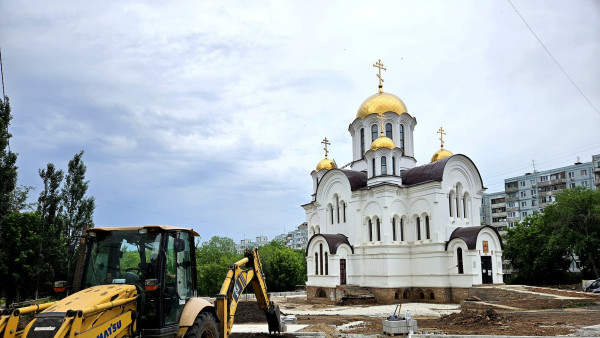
{"points": [[486, 270], [342, 272]]}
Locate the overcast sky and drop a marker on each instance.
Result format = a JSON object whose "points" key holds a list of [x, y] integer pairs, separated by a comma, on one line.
{"points": [[210, 114]]}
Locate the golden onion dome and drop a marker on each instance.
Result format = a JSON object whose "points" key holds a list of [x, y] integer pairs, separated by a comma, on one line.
{"points": [[440, 154], [327, 164], [381, 103], [383, 142]]}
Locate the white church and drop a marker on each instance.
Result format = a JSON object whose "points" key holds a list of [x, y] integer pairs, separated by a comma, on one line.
{"points": [[383, 226]]}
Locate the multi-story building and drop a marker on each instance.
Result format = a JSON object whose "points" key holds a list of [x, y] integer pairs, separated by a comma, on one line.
{"points": [[296, 239], [250, 244], [531, 193]]}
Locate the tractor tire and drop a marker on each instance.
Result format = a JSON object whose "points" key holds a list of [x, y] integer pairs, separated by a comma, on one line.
{"points": [[205, 326]]}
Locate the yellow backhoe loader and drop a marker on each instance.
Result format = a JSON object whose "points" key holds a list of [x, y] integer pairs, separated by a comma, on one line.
{"points": [[141, 282]]}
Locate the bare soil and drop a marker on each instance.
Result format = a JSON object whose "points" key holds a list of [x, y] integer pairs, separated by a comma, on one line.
{"points": [[548, 322]]}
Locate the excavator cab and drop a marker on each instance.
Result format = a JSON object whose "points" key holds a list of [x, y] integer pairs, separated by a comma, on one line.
{"points": [[159, 263]]}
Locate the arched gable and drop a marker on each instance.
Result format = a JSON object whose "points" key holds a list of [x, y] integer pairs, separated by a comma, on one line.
{"points": [[460, 169], [470, 235], [333, 182], [333, 242]]}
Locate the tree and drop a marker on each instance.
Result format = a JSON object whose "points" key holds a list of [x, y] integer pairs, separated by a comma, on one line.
{"points": [[213, 259], [8, 160], [49, 202], [536, 255], [284, 267], [78, 209], [575, 220]]}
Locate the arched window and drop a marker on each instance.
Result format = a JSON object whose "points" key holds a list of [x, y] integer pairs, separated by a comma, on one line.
{"points": [[457, 206], [378, 230], [450, 202], [326, 264], [373, 167], [316, 263], [321, 256], [460, 261], [337, 207], [465, 206], [370, 231], [374, 132], [393, 165], [427, 233], [418, 228], [362, 141], [401, 143], [402, 229], [458, 199], [394, 229], [383, 166], [330, 214], [344, 206], [388, 130]]}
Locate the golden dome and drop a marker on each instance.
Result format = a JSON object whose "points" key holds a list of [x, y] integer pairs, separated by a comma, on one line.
{"points": [[326, 164], [381, 103], [383, 142], [440, 154]]}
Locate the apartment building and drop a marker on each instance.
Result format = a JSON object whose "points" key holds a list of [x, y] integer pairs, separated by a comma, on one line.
{"points": [[596, 164], [493, 210], [295, 239]]}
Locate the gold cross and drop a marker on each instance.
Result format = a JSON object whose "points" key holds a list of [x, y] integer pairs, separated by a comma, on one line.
{"points": [[442, 133], [381, 119], [379, 65], [326, 143]]}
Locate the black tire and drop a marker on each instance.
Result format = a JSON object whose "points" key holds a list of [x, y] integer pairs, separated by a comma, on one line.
{"points": [[205, 326]]}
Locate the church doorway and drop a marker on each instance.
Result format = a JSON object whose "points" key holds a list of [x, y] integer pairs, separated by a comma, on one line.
{"points": [[342, 272], [486, 270]]}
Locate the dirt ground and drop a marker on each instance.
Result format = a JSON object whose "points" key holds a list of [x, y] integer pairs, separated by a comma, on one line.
{"points": [[550, 322]]}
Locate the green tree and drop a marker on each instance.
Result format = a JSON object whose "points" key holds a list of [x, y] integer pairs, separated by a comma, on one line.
{"points": [[77, 208], [575, 221], [213, 259], [8, 163], [283, 266]]}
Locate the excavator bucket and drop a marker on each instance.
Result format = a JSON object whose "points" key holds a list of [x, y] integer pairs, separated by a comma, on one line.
{"points": [[274, 319]]}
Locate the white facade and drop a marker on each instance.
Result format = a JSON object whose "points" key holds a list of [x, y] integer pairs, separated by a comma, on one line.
{"points": [[382, 222]]}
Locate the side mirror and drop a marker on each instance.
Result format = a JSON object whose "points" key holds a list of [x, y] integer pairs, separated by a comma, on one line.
{"points": [[179, 245]]}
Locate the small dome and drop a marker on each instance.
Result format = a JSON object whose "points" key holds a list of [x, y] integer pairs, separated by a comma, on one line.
{"points": [[383, 142], [327, 164], [381, 103], [440, 154]]}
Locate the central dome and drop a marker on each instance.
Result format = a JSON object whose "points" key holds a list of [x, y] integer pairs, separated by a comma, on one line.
{"points": [[381, 103], [383, 142]]}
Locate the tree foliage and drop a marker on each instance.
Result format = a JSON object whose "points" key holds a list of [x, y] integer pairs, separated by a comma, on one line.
{"points": [[8, 163], [283, 266], [213, 259], [541, 248]]}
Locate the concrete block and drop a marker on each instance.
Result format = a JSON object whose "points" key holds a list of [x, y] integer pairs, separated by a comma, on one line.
{"points": [[399, 326]]}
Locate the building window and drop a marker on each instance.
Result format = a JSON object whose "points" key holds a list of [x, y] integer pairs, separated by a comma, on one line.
{"points": [[393, 165], [337, 208], [370, 231], [584, 173], [465, 213], [388, 131], [571, 174], [523, 194], [427, 232], [401, 144], [362, 141], [522, 183], [326, 264], [402, 229], [532, 192], [378, 230], [373, 167], [584, 183], [418, 228], [331, 213], [511, 214], [450, 201], [571, 185], [321, 257], [524, 203], [459, 258], [316, 263], [344, 210], [383, 166], [511, 224], [544, 178], [533, 203], [374, 132], [523, 214], [394, 229]]}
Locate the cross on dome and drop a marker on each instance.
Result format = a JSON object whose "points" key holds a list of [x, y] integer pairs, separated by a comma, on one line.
{"points": [[379, 65], [326, 143], [442, 133], [381, 119]]}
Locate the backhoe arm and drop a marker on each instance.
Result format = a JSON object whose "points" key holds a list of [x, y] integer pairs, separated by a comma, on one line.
{"points": [[247, 270]]}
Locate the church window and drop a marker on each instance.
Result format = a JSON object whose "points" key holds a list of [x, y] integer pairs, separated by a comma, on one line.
{"points": [[344, 210], [362, 141], [459, 257], [316, 263], [330, 214], [374, 132], [337, 207], [450, 202], [388, 130], [383, 166], [373, 167], [370, 231], [321, 257], [457, 206], [326, 264], [393, 165], [401, 144], [427, 232], [402, 229], [378, 230], [394, 229], [418, 228], [465, 206]]}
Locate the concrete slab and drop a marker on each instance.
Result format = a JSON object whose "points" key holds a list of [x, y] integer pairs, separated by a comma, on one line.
{"points": [[257, 328], [589, 331]]}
